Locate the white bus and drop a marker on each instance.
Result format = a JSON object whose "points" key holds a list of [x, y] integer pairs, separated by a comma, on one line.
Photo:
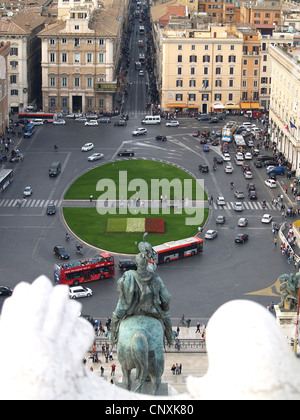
{"points": [[6, 178], [151, 119]]}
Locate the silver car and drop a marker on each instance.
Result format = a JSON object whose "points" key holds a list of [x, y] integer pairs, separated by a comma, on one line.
{"points": [[243, 222]]}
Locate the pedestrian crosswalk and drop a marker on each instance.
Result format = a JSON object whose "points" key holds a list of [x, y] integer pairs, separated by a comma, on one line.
{"points": [[248, 205], [15, 202]]}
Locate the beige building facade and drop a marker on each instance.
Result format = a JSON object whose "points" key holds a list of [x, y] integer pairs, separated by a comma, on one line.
{"points": [[80, 52], [285, 104]]}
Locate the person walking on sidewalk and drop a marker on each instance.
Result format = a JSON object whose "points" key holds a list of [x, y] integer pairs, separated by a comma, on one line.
{"points": [[198, 328], [275, 241]]}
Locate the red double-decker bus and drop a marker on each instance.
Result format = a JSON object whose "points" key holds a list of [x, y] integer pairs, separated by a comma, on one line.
{"points": [[99, 267], [47, 117], [175, 250]]}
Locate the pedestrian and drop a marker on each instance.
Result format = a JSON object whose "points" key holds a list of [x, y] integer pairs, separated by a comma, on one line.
{"points": [[113, 369], [180, 369], [198, 327], [178, 331], [177, 369], [102, 370], [173, 368], [91, 197], [275, 241]]}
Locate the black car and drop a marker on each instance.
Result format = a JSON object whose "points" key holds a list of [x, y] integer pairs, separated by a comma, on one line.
{"points": [[251, 187], [5, 291], [61, 252], [218, 160], [252, 195], [161, 137], [127, 264], [203, 168], [241, 238], [126, 153], [258, 164], [51, 209], [214, 120], [204, 117]]}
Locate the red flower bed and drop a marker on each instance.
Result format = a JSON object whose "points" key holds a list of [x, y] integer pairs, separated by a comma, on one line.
{"points": [[154, 225]]}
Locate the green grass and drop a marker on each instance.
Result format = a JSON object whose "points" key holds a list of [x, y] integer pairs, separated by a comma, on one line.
{"points": [[145, 170], [90, 226]]}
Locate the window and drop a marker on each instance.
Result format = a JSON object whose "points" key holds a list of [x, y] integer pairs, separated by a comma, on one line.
{"points": [[76, 57], [230, 96], [64, 57], [52, 57], [13, 79], [206, 59], [179, 83], [192, 83], [89, 58], [52, 102], [218, 70], [179, 59], [64, 40], [193, 59], [76, 27], [231, 70], [14, 64], [219, 59], [178, 97], [192, 97], [89, 41], [231, 59], [64, 102], [205, 70], [101, 42], [14, 51], [218, 83], [179, 47], [218, 97], [64, 82], [205, 97], [76, 42], [52, 42], [193, 71], [101, 58], [14, 92], [76, 82], [179, 70], [89, 82], [230, 83], [52, 81]]}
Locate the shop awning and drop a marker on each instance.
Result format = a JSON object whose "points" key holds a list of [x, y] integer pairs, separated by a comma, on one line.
{"points": [[193, 106], [249, 105], [218, 106], [232, 107], [176, 106]]}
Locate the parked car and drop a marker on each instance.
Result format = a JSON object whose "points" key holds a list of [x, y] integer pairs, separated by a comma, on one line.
{"points": [[60, 121], [76, 292], [211, 234], [214, 120], [127, 264], [173, 123], [27, 191], [95, 156], [61, 252], [241, 238], [139, 131], [126, 152], [204, 117], [5, 291], [87, 147], [51, 209]]}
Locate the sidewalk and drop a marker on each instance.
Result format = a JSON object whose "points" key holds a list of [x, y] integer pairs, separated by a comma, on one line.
{"points": [[193, 364]]}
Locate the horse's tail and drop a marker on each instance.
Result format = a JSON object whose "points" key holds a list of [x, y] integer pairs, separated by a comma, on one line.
{"points": [[139, 353]]}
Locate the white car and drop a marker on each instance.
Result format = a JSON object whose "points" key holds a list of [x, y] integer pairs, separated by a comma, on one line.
{"points": [[91, 122], [221, 201], [248, 175], [81, 119], [60, 121], [239, 155], [76, 292], [211, 234], [27, 192], [228, 169], [267, 218], [172, 123], [248, 156], [238, 206], [226, 157], [243, 222], [87, 147], [139, 131], [271, 183], [95, 156]]}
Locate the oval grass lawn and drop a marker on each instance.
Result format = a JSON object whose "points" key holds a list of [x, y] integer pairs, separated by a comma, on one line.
{"points": [[90, 225]]}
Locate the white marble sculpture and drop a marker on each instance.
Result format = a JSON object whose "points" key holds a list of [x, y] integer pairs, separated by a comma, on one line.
{"points": [[43, 342]]}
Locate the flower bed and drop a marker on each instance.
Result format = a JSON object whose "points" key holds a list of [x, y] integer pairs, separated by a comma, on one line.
{"points": [[135, 225], [154, 225]]}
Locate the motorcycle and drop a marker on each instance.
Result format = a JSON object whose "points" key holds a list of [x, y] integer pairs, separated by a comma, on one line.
{"points": [[79, 249]]}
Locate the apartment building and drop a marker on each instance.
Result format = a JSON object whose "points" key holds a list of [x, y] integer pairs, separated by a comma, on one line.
{"points": [[24, 61], [80, 53], [4, 112], [261, 13], [285, 103]]}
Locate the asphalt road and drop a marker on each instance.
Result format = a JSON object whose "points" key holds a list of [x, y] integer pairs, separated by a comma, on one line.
{"points": [[198, 285]]}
